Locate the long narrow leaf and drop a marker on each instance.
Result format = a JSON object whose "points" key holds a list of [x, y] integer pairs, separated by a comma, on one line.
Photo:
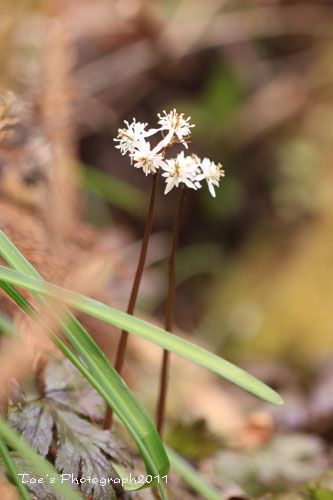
{"points": [[155, 471], [115, 392], [118, 395], [192, 476], [147, 331], [12, 471], [120, 398], [15, 295], [129, 411]]}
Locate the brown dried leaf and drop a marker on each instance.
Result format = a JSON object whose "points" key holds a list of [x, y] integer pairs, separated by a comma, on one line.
{"points": [[75, 445], [35, 423]]}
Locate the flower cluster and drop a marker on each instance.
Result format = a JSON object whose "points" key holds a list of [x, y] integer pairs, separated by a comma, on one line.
{"points": [[175, 129]]}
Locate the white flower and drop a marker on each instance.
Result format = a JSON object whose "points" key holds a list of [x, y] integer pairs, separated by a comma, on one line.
{"points": [[182, 169], [176, 125], [211, 172], [149, 160], [189, 170], [129, 138]]}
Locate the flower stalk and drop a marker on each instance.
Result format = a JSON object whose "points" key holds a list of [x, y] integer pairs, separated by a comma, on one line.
{"points": [[122, 345], [183, 172], [169, 313]]}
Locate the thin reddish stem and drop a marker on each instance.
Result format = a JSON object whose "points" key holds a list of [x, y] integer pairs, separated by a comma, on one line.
{"points": [[169, 311], [122, 345]]}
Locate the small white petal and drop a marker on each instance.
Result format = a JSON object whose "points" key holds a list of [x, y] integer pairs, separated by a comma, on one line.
{"points": [[211, 189], [182, 170], [189, 184], [212, 173], [175, 124], [147, 160], [164, 142], [169, 185]]}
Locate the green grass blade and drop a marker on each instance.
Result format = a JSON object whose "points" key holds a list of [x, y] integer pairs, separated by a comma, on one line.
{"points": [[141, 328], [120, 319], [115, 392], [12, 471], [192, 476], [41, 466], [106, 379], [15, 295], [150, 438], [14, 257], [120, 398], [147, 331]]}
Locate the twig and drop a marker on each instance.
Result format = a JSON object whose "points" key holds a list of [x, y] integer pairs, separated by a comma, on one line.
{"points": [[169, 310]]}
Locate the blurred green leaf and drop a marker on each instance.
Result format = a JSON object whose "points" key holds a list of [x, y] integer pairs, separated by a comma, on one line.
{"points": [[196, 259], [220, 99], [117, 192], [193, 439], [99, 372], [145, 330], [12, 471], [192, 476]]}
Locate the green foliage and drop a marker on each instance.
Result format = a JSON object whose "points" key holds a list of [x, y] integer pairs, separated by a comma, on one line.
{"points": [[190, 261], [213, 113], [147, 331], [117, 192], [12, 471], [193, 440], [99, 373], [320, 489], [192, 477]]}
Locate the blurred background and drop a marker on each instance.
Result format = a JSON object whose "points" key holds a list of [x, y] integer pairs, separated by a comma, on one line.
{"points": [[255, 273]]}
